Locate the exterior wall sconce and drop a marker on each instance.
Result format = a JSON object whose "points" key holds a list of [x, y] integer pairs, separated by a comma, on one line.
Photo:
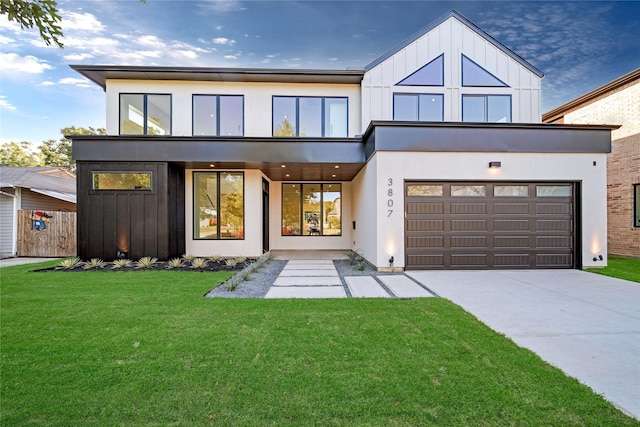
{"points": [[122, 254], [598, 258], [391, 261], [495, 165]]}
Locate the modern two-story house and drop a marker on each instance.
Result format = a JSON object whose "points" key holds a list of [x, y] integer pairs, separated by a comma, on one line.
{"points": [[431, 157]]}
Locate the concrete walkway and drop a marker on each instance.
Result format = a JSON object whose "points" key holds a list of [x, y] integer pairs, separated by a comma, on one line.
{"points": [[586, 324], [8, 262]]}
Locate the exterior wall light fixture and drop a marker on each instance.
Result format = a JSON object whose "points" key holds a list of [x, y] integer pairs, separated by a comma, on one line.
{"points": [[391, 261], [598, 258], [495, 165], [122, 254]]}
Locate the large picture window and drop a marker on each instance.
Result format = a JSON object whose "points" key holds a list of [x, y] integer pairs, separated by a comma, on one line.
{"points": [[311, 209], [310, 116], [218, 205], [121, 180], [145, 114], [418, 107], [218, 115], [486, 108]]}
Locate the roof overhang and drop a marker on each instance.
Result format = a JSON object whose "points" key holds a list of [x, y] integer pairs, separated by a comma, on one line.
{"points": [[67, 197], [99, 74]]}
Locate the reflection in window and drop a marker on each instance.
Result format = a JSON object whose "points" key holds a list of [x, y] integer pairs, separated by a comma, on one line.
{"points": [[309, 116], [511, 190], [145, 114], [311, 209], [218, 115], [218, 205], [121, 180], [474, 75], [636, 205], [431, 74], [468, 190], [424, 190], [486, 108], [553, 191], [418, 107]]}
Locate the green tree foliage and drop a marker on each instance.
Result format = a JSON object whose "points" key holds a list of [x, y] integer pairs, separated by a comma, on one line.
{"points": [[19, 154], [285, 128], [42, 14]]}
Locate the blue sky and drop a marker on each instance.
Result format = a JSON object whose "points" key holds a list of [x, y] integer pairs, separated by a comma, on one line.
{"points": [[578, 45]]}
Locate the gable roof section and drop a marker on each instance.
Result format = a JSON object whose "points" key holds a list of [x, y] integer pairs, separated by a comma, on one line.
{"points": [[471, 25], [53, 182]]}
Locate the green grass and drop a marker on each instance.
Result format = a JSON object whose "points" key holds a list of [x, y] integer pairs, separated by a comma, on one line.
{"points": [[146, 349], [622, 268]]}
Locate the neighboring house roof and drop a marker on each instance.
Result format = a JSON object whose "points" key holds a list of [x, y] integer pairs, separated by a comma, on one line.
{"points": [[53, 182], [99, 74], [558, 112], [465, 21]]}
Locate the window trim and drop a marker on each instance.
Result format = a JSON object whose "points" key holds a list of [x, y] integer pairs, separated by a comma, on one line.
{"points": [[217, 96], [418, 94], [486, 105], [301, 219], [110, 171], [400, 83], [193, 205], [145, 113], [479, 66], [297, 121], [636, 205]]}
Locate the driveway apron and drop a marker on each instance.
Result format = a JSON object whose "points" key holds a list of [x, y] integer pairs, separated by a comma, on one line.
{"points": [[586, 324]]}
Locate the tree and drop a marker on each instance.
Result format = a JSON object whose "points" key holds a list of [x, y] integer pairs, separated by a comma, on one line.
{"points": [[19, 154], [42, 14], [285, 128]]}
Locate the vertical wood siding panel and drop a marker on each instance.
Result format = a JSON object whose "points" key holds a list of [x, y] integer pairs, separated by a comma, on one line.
{"points": [[399, 61], [109, 215], [423, 50], [411, 60], [137, 217], [162, 202]]}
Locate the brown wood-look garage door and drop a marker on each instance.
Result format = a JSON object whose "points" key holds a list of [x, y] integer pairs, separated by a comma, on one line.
{"points": [[489, 225]]}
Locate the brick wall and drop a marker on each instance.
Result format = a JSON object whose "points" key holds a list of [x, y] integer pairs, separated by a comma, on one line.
{"points": [[622, 107]]}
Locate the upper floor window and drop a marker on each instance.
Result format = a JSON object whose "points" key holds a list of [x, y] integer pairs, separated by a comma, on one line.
{"points": [[310, 116], [474, 75], [418, 107], [486, 108], [145, 114], [218, 115], [431, 74]]}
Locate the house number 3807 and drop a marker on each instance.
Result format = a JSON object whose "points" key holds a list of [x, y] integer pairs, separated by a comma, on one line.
{"points": [[389, 197]]}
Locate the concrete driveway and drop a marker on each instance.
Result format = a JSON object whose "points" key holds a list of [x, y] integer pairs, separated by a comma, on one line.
{"points": [[586, 324]]}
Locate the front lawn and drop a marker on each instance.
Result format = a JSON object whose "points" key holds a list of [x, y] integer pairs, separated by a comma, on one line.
{"points": [[146, 349], [622, 268]]}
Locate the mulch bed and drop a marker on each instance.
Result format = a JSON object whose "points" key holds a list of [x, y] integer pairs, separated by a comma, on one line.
{"points": [[212, 266]]}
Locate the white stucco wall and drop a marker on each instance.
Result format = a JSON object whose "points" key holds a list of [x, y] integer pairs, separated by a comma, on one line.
{"points": [[364, 201], [453, 38], [400, 167], [257, 101]]}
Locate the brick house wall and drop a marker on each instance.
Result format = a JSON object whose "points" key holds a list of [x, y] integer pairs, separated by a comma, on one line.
{"points": [[620, 106]]}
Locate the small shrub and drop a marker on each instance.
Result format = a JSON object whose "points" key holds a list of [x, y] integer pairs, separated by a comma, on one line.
{"points": [[354, 258], [122, 263], [174, 263], [361, 265], [93, 263], [231, 262], [188, 258], [69, 264], [241, 259], [146, 262], [199, 263], [215, 258]]}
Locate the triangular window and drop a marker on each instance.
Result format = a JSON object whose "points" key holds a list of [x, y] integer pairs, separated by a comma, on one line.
{"points": [[475, 75], [431, 74]]}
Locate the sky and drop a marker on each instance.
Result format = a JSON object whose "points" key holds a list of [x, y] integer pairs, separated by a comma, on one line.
{"points": [[578, 45]]}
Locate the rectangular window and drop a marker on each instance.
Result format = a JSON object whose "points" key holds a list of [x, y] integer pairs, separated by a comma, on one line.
{"points": [[418, 107], [218, 205], [636, 205], [486, 108], [468, 190], [313, 117], [424, 190], [121, 180], [511, 191], [218, 115], [553, 191], [311, 209], [145, 114]]}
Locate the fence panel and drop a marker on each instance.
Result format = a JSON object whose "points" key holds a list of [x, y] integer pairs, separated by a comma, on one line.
{"points": [[46, 233]]}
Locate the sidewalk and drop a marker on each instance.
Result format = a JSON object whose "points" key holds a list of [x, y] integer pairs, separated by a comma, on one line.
{"points": [[8, 262]]}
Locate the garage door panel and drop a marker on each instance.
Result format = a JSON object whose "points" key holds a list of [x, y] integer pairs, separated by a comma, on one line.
{"points": [[478, 225]]}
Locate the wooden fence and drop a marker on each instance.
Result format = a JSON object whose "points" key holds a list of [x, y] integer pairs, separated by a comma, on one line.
{"points": [[46, 233]]}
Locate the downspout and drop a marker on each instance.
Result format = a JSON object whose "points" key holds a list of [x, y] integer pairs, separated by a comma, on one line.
{"points": [[14, 227]]}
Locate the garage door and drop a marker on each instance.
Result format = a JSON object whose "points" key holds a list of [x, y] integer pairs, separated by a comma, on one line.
{"points": [[489, 225]]}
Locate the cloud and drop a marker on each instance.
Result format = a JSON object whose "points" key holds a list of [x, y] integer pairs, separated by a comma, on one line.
{"points": [[46, 83], [77, 56], [224, 41], [5, 104], [72, 21], [230, 57], [222, 6], [67, 81], [12, 62], [151, 41], [6, 40]]}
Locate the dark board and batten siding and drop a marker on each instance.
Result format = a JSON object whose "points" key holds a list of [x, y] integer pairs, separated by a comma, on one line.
{"points": [[140, 222]]}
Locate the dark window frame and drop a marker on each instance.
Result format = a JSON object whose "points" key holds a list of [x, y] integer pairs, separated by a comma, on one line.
{"points": [[217, 96], [636, 205], [301, 204], [145, 113], [482, 68], [418, 96], [297, 121], [400, 83], [486, 105], [120, 172], [194, 203]]}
